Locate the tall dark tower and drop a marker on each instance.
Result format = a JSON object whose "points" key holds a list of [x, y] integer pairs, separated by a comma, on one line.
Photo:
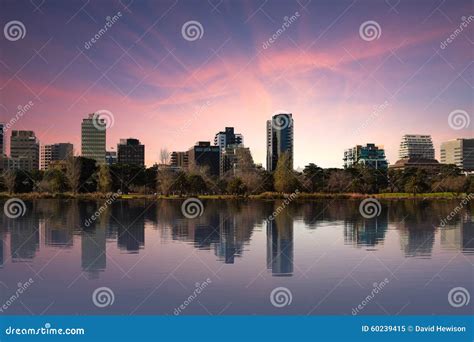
{"points": [[279, 139]]}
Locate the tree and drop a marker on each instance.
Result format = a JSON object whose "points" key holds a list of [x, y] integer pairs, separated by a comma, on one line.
{"points": [[105, 180], [339, 181], [9, 177], [197, 185], [313, 177], [164, 181], [285, 178], [164, 156], [417, 183], [73, 173], [54, 181], [236, 187]]}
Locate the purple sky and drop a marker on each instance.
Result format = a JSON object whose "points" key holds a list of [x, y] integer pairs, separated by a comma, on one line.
{"points": [[171, 92]]}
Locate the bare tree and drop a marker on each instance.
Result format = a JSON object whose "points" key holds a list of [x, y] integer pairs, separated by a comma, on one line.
{"points": [[9, 177], [164, 156], [73, 173]]}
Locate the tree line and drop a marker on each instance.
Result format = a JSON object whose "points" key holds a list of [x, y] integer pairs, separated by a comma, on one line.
{"points": [[83, 175]]}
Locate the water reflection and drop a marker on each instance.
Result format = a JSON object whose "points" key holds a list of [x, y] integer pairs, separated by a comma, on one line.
{"points": [[227, 227]]}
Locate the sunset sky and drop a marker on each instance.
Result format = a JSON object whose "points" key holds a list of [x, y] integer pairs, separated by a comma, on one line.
{"points": [[170, 92]]}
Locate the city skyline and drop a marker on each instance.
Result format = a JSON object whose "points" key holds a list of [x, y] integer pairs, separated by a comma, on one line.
{"points": [[162, 88]]}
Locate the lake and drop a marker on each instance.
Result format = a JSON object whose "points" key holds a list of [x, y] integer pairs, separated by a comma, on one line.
{"points": [[320, 257]]}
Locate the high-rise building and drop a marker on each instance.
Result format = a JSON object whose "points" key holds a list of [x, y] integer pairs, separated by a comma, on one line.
{"points": [[369, 155], [279, 139], [416, 147], [179, 159], [227, 141], [110, 157], [228, 137], [416, 151], [93, 138], [24, 151], [459, 152], [206, 156], [54, 152], [131, 152], [236, 159]]}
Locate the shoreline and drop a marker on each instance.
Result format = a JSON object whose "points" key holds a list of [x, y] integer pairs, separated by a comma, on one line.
{"points": [[263, 196]]}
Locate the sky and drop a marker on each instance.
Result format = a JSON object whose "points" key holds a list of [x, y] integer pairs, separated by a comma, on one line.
{"points": [[171, 87]]}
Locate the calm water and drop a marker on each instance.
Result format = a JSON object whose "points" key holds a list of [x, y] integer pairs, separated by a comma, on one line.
{"points": [[324, 252]]}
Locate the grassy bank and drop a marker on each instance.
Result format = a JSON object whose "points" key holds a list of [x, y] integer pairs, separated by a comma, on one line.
{"points": [[263, 196]]}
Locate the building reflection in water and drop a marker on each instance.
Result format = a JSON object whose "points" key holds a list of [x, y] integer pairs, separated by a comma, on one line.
{"points": [[459, 235], [24, 238], [129, 219], [280, 245], [416, 238], [228, 246], [93, 257], [366, 232], [56, 234]]}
